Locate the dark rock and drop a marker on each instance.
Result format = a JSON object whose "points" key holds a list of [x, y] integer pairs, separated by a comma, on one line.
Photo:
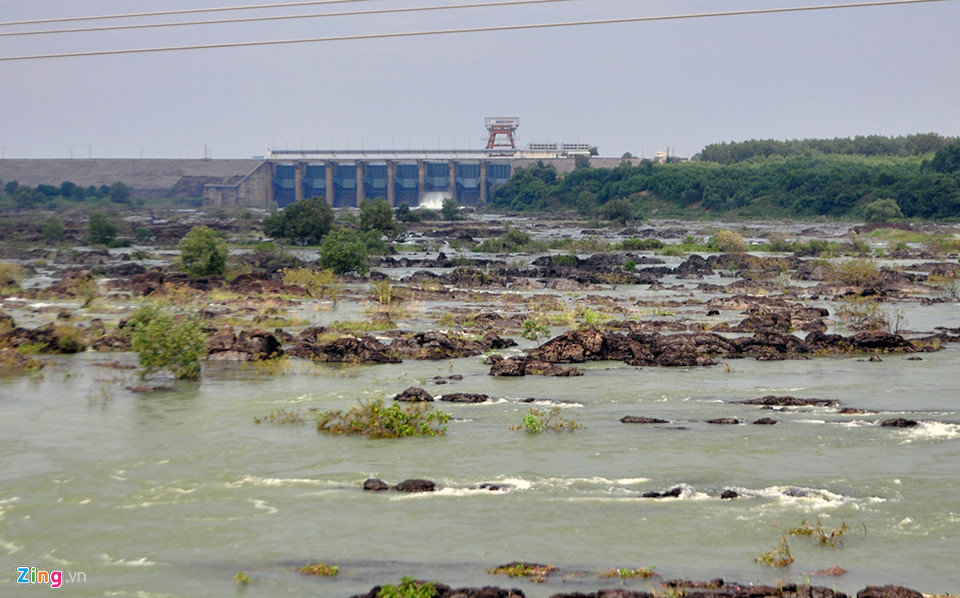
{"points": [[495, 487], [899, 422], [465, 397], [788, 401], [875, 358], [728, 495], [852, 411], [416, 485], [636, 419], [247, 346], [375, 484], [343, 350], [724, 421], [765, 421], [525, 366], [414, 394], [147, 388], [672, 493], [888, 592]]}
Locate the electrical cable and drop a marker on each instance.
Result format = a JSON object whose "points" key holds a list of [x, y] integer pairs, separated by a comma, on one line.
{"points": [[376, 11], [759, 11], [159, 13]]}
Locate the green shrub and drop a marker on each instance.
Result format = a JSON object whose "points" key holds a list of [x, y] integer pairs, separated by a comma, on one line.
{"points": [[53, 230], [639, 244], [164, 342], [203, 252], [316, 282], [343, 250], [10, 276], [371, 418], [727, 241], [532, 329], [304, 222], [537, 420], [101, 230], [856, 272], [409, 588], [377, 215]]}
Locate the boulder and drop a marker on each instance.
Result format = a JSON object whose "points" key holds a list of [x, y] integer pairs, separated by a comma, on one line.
{"points": [[672, 493], [346, 349], [525, 366], [889, 591], [636, 419], [728, 421], [414, 394], [899, 422], [375, 485], [788, 401], [465, 397], [416, 485]]}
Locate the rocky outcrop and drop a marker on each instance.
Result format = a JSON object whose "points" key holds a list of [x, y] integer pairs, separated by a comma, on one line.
{"points": [[347, 349], [445, 591], [636, 419], [435, 345], [526, 366], [672, 493], [788, 401], [888, 592], [414, 394], [465, 397], [246, 346], [899, 422], [416, 485]]}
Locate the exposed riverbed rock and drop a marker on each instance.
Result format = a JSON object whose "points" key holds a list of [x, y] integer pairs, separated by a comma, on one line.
{"points": [[433, 345], [788, 401], [526, 366], [246, 346], [889, 591], [414, 394], [465, 397], [375, 485], [347, 349], [636, 419], [899, 422], [416, 485], [445, 591]]}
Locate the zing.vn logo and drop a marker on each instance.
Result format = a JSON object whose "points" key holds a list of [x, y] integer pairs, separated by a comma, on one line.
{"points": [[55, 579]]}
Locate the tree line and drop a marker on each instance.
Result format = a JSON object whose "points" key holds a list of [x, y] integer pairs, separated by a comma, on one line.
{"points": [[25, 197], [809, 184], [861, 145]]}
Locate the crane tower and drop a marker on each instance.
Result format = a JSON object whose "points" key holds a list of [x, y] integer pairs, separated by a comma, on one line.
{"points": [[502, 125]]}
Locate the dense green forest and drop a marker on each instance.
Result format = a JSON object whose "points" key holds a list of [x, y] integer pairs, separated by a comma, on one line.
{"points": [[752, 180]]}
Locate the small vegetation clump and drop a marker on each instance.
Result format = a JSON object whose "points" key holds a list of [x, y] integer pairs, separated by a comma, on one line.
{"points": [[512, 241], [538, 420], [12, 362], [316, 282], [10, 277], [535, 572], [409, 588], [859, 272], [639, 244], [371, 418], [322, 569], [165, 342], [825, 536], [627, 573], [727, 241], [779, 556], [281, 416], [242, 578], [532, 329]]}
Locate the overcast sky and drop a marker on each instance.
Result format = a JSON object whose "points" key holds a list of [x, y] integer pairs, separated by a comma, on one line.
{"points": [[639, 87]]}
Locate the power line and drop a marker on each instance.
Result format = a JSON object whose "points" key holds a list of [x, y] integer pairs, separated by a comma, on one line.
{"points": [[760, 11], [184, 11], [351, 13]]}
